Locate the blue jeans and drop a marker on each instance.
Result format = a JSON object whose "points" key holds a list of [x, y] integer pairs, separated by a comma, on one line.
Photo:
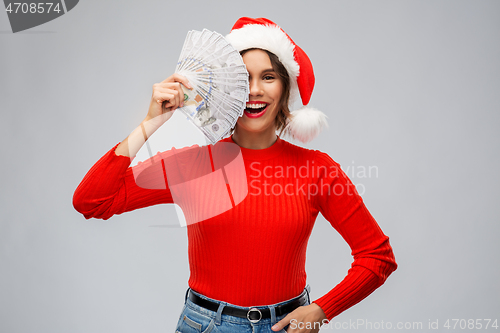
{"points": [[195, 319]]}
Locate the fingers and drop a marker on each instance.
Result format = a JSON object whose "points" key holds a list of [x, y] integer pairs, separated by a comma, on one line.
{"points": [[169, 96], [178, 78], [304, 319], [180, 94], [169, 93], [165, 107], [282, 323]]}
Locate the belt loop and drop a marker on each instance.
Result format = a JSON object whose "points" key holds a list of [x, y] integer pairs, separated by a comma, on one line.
{"points": [[308, 289], [219, 313], [186, 297], [272, 309]]}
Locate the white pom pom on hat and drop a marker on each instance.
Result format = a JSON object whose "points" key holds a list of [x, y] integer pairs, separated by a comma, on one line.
{"points": [[306, 124], [247, 33]]}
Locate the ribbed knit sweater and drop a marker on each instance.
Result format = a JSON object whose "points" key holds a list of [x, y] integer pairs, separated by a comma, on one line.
{"points": [[254, 251]]}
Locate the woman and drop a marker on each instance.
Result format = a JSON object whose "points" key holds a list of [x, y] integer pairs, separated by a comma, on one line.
{"points": [[247, 263]]}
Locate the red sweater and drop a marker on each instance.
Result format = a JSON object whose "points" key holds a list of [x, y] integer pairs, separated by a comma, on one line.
{"points": [[254, 251]]}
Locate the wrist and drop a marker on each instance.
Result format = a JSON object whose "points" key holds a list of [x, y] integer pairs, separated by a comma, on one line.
{"points": [[149, 125], [319, 311]]}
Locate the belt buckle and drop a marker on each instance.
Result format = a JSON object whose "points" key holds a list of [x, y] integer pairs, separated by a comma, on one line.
{"points": [[254, 320]]}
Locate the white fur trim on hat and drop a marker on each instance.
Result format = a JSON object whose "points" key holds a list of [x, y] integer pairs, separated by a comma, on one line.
{"points": [[272, 39], [306, 123]]}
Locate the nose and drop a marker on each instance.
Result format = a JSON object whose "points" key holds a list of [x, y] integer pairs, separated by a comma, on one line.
{"points": [[255, 88]]}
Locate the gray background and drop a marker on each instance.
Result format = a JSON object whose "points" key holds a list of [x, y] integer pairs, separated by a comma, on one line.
{"points": [[411, 87]]}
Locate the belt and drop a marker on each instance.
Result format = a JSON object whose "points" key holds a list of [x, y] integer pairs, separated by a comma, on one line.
{"points": [[254, 314]]}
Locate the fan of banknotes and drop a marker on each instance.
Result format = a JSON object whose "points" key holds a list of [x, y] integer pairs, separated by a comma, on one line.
{"points": [[219, 79]]}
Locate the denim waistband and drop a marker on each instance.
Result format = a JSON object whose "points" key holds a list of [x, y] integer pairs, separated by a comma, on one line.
{"points": [[219, 316]]}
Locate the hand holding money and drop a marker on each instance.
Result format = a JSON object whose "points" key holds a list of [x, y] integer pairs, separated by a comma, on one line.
{"points": [[219, 79], [167, 96]]}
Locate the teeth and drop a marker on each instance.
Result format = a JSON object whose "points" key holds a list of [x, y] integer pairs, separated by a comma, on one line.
{"points": [[255, 106]]}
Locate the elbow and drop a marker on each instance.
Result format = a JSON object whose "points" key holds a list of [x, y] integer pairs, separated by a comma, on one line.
{"points": [[391, 265], [387, 264], [390, 258], [394, 263], [81, 205], [82, 202], [78, 202], [381, 261], [88, 207]]}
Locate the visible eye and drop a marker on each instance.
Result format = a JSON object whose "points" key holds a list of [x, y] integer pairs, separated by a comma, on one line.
{"points": [[269, 77]]}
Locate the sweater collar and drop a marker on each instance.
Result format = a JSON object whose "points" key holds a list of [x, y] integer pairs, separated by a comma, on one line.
{"points": [[260, 154]]}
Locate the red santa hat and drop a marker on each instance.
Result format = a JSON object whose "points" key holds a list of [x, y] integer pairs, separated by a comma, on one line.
{"points": [[306, 122]]}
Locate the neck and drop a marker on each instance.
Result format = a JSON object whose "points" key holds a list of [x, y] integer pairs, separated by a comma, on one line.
{"points": [[254, 140]]}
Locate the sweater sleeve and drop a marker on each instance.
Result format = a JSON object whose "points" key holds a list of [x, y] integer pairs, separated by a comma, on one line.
{"points": [[374, 261], [112, 187]]}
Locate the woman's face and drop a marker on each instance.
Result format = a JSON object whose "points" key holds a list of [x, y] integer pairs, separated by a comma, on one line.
{"points": [[265, 93]]}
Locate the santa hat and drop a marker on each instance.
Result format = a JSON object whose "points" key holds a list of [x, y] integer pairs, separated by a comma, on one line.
{"points": [[306, 122]]}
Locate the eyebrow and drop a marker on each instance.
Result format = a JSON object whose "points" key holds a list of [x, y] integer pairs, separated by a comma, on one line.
{"points": [[268, 70]]}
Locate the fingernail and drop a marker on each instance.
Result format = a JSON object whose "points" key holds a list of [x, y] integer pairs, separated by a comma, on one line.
{"points": [[274, 328]]}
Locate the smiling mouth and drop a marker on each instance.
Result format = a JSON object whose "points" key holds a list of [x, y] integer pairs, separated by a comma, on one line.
{"points": [[255, 107]]}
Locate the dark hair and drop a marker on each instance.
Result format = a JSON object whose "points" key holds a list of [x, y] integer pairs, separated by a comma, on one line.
{"points": [[280, 70]]}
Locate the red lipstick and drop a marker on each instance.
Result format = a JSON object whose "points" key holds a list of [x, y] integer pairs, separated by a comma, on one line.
{"points": [[256, 109]]}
